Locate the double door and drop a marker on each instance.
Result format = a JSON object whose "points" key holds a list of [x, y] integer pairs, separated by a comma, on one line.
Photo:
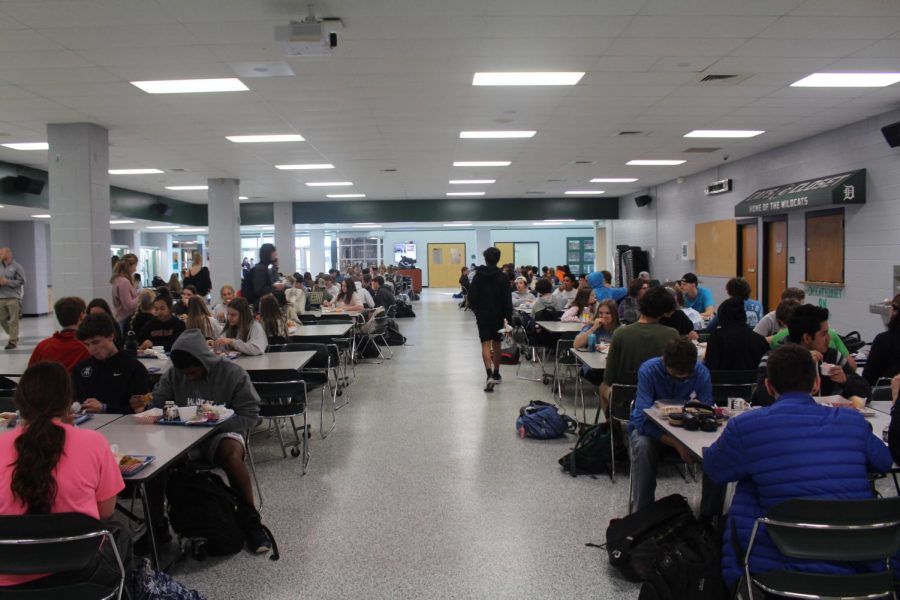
{"points": [[774, 259]]}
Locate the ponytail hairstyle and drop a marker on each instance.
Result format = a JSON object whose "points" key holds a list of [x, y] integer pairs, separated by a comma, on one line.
{"points": [[242, 331], [44, 393], [198, 316], [271, 318], [120, 269]]}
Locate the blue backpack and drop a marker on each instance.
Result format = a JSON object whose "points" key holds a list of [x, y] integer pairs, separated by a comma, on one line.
{"points": [[542, 421]]}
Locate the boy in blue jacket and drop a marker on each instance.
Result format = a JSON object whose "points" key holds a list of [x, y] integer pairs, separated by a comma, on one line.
{"points": [[792, 449]]}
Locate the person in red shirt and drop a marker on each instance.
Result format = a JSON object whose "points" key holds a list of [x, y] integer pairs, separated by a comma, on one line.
{"points": [[63, 347]]}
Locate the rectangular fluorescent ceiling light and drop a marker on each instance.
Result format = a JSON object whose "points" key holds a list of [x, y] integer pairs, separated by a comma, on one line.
{"points": [[262, 139], [848, 80], [345, 195], [121, 222], [328, 183], [724, 133], [191, 86], [191, 230], [243, 198], [559, 220], [465, 193], [482, 163], [457, 224], [27, 146], [529, 78], [584, 192], [308, 167], [163, 227], [470, 181], [496, 134], [655, 163], [614, 180], [187, 188], [548, 223], [41, 216], [365, 226], [133, 171]]}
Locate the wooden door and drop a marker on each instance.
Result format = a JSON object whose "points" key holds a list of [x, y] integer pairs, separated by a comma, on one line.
{"points": [[507, 252], [825, 246], [445, 262], [749, 263], [776, 260]]}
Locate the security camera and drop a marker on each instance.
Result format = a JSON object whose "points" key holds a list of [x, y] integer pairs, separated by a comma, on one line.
{"points": [[725, 157]]}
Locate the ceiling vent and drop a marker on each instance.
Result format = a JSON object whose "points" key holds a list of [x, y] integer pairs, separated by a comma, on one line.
{"points": [[701, 150], [535, 192], [717, 78], [581, 162], [644, 133], [722, 79]]}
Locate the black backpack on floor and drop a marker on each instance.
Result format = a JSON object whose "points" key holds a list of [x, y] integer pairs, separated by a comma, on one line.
{"points": [[591, 454], [404, 310], [202, 507], [392, 335], [686, 568]]}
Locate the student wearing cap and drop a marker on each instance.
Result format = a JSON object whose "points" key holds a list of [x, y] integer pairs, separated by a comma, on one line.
{"points": [[521, 296], [696, 297]]}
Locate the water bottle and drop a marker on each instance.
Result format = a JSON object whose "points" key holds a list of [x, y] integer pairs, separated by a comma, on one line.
{"points": [[585, 315], [592, 343], [130, 344]]}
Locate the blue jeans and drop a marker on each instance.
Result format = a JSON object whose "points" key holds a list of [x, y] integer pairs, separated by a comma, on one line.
{"points": [[645, 453]]}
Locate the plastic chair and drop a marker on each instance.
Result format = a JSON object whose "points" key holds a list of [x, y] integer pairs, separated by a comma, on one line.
{"points": [[732, 384], [621, 397], [832, 531], [283, 395], [318, 374], [563, 360], [55, 543]]}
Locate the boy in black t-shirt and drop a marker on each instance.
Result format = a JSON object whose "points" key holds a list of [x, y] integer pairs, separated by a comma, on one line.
{"points": [[164, 329], [107, 380]]}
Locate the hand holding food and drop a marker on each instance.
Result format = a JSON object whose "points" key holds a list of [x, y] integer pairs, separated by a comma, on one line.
{"points": [[140, 402]]}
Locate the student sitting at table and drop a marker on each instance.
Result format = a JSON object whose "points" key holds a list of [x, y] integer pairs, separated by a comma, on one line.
{"points": [[49, 466], [601, 281], [99, 305], [181, 308], [795, 448], [383, 296], [106, 382], [809, 328], [273, 321], [522, 296], [348, 298], [884, 357], [295, 296], [144, 312], [199, 317], [629, 312], [834, 342], [603, 326], [676, 375], [242, 332], [633, 344], [584, 304], [164, 329], [683, 320], [770, 324], [566, 291], [782, 316], [365, 291], [544, 307], [219, 310], [732, 345], [198, 376], [63, 346]]}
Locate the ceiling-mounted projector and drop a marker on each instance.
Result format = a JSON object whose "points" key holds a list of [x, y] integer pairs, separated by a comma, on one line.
{"points": [[309, 37]]}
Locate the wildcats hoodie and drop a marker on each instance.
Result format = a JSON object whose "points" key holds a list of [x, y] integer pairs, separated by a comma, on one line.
{"points": [[489, 295], [225, 383]]}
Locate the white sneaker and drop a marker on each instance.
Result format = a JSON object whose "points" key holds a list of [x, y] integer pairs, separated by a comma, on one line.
{"points": [[489, 384]]}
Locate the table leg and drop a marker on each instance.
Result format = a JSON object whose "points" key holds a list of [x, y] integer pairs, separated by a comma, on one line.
{"points": [[151, 530]]}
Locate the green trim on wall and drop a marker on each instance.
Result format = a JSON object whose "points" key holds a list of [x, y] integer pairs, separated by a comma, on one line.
{"points": [[491, 209], [258, 213]]}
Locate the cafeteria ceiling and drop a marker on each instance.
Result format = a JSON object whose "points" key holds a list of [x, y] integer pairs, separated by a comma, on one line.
{"points": [[386, 108]]}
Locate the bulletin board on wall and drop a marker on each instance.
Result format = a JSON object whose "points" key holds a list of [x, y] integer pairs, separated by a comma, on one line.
{"points": [[715, 248]]}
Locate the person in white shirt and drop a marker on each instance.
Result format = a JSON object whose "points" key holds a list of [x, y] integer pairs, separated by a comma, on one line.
{"points": [[348, 298], [242, 332], [521, 297], [565, 293], [331, 287], [365, 294]]}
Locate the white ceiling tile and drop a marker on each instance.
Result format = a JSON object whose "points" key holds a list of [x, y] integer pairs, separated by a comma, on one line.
{"points": [[42, 59], [847, 27], [77, 13], [54, 75], [517, 26], [749, 64], [131, 36], [880, 49], [672, 47], [563, 7], [719, 7], [800, 48], [698, 26], [163, 55], [848, 8]]}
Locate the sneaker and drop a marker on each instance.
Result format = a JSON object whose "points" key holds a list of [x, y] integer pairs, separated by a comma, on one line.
{"points": [[497, 379], [11, 346], [489, 384], [258, 540]]}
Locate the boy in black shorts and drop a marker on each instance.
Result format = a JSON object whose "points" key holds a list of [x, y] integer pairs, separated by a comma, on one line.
{"points": [[491, 300]]}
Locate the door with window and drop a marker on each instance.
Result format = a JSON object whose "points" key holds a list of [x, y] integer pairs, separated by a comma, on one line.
{"points": [[776, 260], [507, 252], [445, 262], [748, 261], [825, 246]]}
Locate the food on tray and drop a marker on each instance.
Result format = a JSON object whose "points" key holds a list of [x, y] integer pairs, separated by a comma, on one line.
{"points": [[129, 462], [149, 416]]}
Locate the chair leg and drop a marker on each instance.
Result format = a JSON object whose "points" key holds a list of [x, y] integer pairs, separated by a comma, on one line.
{"points": [[280, 437], [322, 418], [612, 451]]}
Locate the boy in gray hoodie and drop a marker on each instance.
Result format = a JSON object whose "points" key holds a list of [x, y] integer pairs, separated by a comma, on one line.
{"points": [[198, 376]]}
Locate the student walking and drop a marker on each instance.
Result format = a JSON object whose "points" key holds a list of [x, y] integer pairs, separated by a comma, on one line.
{"points": [[491, 300]]}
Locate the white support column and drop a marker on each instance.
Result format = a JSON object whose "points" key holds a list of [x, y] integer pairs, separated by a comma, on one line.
{"points": [[285, 239], [224, 216], [316, 251], [79, 202], [482, 243]]}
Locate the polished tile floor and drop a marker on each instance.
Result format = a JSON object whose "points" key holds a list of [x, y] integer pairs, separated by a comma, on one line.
{"points": [[424, 490]]}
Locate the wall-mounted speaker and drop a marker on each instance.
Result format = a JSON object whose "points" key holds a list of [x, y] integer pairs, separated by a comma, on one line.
{"points": [[891, 134], [162, 209], [27, 185], [643, 200]]}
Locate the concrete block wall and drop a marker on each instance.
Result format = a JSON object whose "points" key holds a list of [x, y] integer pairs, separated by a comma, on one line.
{"points": [[872, 242]]}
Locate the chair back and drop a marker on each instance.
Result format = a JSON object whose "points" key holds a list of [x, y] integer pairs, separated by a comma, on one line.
{"points": [[732, 384], [6, 400], [621, 396], [315, 298], [322, 358], [563, 356], [34, 544], [835, 530], [277, 384]]}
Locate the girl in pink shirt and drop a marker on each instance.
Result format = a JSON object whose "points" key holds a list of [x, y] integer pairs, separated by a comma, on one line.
{"points": [[124, 294], [50, 466]]}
